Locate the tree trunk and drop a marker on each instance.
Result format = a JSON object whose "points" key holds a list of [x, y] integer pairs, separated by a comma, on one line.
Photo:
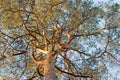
{"points": [[49, 68]]}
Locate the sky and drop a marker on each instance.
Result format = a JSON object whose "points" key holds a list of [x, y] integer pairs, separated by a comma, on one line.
{"points": [[113, 68], [118, 1]]}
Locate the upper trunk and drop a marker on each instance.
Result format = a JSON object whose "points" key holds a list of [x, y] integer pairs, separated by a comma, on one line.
{"points": [[49, 68]]}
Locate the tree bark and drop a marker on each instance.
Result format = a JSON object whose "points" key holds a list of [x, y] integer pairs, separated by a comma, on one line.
{"points": [[49, 68]]}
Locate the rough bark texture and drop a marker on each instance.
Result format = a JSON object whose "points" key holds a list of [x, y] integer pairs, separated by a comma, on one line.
{"points": [[49, 72]]}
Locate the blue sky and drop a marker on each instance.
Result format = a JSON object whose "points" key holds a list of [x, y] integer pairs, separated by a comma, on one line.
{"points": [[118, 1], [113, 68]]}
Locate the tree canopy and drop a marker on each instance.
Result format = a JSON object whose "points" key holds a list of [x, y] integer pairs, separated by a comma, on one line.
{"points": [[58, 39]]}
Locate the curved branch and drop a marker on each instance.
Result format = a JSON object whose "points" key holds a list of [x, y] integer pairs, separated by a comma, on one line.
{"points": [[38, 71], [5, 57], [89, 34], [112, 56], [75, 75]]}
